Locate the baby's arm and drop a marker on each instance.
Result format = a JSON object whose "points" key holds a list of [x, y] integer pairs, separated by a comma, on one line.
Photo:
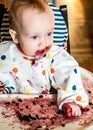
{"points": [[67, 81], [73, 97]]}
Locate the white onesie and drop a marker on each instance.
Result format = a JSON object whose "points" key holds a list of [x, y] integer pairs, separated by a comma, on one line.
{"points": [[58, 69]]}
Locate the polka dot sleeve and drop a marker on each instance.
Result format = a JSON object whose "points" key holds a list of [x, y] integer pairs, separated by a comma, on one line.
{"points": [[5, 75], [65, 77]]}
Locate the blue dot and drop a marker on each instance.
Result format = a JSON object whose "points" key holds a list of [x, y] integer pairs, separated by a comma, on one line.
{"points": [[7, 82], [74, 87], [64, 55], [75, 70], [3, 57], [52, 61], [14, 59]]}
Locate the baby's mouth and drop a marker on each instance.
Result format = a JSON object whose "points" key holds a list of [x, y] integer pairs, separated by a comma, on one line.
{"points": [[42, 52]]}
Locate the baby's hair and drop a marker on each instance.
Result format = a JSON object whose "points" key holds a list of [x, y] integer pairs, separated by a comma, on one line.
{"points": [[17, 7]]}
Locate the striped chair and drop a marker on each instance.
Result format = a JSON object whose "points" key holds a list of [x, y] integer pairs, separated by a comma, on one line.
{"points": [[60, 30], [5, 36]]}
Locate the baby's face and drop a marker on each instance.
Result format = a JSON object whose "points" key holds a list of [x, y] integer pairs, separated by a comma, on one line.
{"points": [[36, 34]]}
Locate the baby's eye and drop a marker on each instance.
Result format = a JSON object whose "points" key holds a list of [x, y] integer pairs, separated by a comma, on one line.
{"points": [[49, 34], [34, 37]]}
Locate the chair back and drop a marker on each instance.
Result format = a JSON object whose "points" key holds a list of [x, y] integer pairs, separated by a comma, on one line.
{"points": [[63, 10]]}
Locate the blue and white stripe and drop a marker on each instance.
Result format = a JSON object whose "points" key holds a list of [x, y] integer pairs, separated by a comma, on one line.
{"points": [[60, 30]]}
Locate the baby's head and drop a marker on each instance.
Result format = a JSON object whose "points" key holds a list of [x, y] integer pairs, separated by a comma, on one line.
{"points": [[32, 26]]}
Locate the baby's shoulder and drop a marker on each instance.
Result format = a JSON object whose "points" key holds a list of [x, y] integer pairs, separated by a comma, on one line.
{"points": [[56, 50], [5, 46]]}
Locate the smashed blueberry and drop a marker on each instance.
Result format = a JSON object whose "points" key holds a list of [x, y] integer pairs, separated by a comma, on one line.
{"points": [[21, 109], [90, 103], [63, 125], [34, 103], [59, 112], [17, 104], [53, 103], [39, 126], [19, 100], [40, 96], [52, 122], [37, 116], [26, 106], [7, 103], [24, 117], [13, 102], [42, 105]]}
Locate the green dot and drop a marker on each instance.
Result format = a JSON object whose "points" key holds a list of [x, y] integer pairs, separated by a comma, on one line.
{"points": [[1, 65]]}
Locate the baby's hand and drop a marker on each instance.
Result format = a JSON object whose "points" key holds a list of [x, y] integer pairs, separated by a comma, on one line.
{"points": [[71, 109]]}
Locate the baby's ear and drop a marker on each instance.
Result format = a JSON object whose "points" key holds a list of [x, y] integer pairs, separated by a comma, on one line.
{"points": [[13, 35]]}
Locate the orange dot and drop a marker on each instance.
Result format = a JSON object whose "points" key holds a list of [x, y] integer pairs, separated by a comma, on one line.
{"points": [[15, 70], [43, 72], [52, 70], [78, 98]]}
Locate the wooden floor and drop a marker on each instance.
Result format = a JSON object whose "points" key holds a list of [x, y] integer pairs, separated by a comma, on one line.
{"points": [[80, 18]]}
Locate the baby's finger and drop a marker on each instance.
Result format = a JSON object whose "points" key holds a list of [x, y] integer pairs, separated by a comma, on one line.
{"points": [[76, 112], [69, 112]]}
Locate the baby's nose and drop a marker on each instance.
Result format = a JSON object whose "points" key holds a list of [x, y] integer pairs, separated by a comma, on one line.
{"points": [[43, 41]]}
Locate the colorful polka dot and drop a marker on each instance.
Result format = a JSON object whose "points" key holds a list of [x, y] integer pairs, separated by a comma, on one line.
{"points": [[75, 70], [1, 65], [52, 61], [3, 57], [26, 91], [31, 62], [52, 70], [49, 56], [15, 70], [43, 72], [64, 54], [7, 82], [74, 87], [14, 59], [78, 98], [65, 91]]}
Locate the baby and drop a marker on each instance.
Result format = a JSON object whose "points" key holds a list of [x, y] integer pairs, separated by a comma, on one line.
{"points": [[33, 64]]}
